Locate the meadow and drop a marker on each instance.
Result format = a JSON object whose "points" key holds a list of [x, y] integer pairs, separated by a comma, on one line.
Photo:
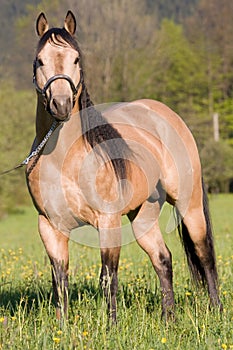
{"points": [[27, 315]]}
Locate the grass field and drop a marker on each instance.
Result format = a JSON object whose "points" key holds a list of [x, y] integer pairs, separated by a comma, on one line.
{"points": [[27, 314]]}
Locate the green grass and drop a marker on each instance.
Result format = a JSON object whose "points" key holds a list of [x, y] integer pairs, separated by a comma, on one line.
{"points": [[27, 318]]}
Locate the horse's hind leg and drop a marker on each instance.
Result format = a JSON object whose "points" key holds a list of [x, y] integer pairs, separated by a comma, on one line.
{"points": [[56, 245], [148, 235]]}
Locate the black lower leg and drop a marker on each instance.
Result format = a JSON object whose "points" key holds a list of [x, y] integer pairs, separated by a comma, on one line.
{"points": [[60, 288], [165, 276], [109, 284], [109, 279]]}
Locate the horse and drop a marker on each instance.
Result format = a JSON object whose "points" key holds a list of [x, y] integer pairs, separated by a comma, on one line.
{"points": [[98, 164]]}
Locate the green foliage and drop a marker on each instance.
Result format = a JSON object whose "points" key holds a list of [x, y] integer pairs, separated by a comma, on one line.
{"points": [[217, 165], [10, 11], [27, 315], [178, 79], [16, 137], [177, 10], [226, 121]]}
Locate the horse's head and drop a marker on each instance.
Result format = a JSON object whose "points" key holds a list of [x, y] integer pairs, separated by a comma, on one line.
{"points": [[57, 70]]}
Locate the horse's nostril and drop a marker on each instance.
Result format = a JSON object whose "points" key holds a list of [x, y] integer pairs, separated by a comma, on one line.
{"points": [[55, 103]]}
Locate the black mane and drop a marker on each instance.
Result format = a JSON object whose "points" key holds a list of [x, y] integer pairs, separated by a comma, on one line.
{"points": [[102, 136], [99, 134]]}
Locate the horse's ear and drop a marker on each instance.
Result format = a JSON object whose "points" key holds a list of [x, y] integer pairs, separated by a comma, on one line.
{"points": [[41, 24], [70, 23]]}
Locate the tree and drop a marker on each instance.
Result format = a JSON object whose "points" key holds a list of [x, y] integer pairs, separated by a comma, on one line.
{"points": [[210, 29], [173, 74], [175, 10], [217, 165]]}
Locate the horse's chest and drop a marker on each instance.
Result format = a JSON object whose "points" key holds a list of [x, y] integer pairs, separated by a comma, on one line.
{"points": [[55, 188], [62, 200]]}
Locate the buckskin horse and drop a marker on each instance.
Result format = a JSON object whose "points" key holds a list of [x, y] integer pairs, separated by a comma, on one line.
{"points": [[89, 166]]}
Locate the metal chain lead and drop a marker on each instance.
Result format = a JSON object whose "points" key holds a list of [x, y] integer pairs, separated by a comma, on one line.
{"points": [[41, 145], [36, 151]]}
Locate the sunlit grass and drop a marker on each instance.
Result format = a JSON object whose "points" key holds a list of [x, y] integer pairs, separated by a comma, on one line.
{"points": [[27, 317]]}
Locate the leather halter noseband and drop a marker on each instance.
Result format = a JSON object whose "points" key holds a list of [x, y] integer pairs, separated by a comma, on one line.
{"points": [[51, 80]]}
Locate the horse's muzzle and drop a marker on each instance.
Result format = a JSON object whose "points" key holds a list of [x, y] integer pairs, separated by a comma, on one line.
{"points": [[61, 107]]}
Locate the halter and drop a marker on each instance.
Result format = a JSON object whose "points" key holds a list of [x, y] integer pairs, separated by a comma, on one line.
{"points": [[51, 80]]}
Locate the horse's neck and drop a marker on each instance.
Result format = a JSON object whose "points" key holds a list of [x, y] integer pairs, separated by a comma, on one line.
{"points": [[43, 120]]}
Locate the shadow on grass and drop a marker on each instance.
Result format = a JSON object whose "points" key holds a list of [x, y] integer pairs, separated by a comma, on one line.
{"points": [[35, 295]]}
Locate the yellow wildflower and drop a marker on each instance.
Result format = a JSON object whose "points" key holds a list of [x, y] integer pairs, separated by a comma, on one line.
{"points": [[163, 340], [56, 340]]}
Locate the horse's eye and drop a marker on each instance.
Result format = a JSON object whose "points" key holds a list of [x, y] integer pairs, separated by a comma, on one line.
{"points": [[76, 60]]}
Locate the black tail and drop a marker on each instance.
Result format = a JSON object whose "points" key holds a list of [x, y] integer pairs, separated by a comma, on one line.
{"points": [[196, 267]]}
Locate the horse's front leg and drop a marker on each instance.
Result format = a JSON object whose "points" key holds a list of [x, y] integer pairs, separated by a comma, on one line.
{"points": [[56, 245], [110, 245]]}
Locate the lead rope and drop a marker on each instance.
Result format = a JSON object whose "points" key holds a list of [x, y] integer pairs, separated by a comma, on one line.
{"points": [[36, 151]]}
